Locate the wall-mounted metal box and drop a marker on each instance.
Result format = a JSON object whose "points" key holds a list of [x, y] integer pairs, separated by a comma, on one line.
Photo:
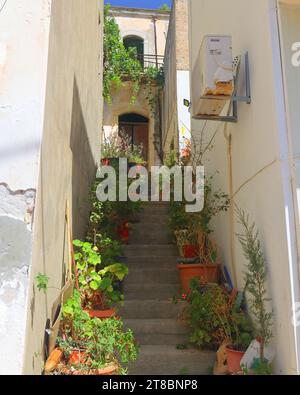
{"points": [[212, 77]]}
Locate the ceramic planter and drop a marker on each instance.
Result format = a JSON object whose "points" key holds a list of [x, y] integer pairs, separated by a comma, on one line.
{"points": [[206, 273], [234, 360]]}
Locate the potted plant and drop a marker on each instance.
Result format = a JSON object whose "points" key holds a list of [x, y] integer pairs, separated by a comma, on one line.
{"points": [[199, 242], [255, 279], [96, 281], [91, 346], [215, 321], [240, 338]]}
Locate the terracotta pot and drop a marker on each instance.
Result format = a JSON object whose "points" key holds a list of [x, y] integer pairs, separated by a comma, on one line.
{"points": [[102, 314], [234, 360], [190, 251], [108, 371], [77, 358], [205, 273]]}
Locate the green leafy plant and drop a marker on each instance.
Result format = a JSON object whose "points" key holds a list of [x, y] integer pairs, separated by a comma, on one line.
{"points": [[96, 281], [102, 342], [164, 8], [196, 227], [255, 278], [42, 282], [213, 319], [122, 64]]}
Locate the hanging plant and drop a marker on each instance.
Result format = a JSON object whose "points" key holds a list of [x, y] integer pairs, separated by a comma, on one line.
{"points": [[122, 64]]}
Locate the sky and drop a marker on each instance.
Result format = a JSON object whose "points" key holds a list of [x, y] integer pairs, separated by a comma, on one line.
{"points": [[139, 3]]}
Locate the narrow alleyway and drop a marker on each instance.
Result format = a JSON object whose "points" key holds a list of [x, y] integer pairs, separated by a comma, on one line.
{"points": [[152, 282]]}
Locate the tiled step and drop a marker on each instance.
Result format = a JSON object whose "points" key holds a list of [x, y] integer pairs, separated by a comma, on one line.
{"points": [[167, 360], [158, 331]]}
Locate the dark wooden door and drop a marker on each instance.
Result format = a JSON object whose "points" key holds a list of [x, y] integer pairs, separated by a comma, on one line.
{"points": [[138, 133]]}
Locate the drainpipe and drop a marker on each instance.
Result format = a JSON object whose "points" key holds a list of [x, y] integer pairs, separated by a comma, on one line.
{"points": [[155, 40], [159, 151], [287, 176]]}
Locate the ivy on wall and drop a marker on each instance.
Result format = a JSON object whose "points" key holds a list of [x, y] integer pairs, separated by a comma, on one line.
{"points": [[122, 64]]}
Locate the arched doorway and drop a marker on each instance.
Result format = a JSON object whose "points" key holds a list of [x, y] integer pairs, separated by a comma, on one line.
{"points": [[137, 128], [137, 43]]}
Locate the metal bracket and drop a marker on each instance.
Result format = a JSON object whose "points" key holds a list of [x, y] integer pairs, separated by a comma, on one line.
{"points": [[234, 99]]}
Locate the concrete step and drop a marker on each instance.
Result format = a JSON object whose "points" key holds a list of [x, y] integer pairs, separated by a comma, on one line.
{"points": [[156, 208], [152, 276], [150, 234], [150, 291], [158, 331], [148, 219], [153, 239], [150, 250], [167, 360], [146, 262], [135, 308]]}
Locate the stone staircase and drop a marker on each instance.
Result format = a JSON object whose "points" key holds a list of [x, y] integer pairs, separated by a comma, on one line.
{"points": [[148, 310]]}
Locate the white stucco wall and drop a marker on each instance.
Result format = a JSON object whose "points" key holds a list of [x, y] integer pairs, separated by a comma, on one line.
{"points": [[50, 123], [24, 33], [184, 116], [261, 172]]}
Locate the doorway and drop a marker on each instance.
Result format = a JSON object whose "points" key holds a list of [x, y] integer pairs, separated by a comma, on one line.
{"points": [[137, 128]]}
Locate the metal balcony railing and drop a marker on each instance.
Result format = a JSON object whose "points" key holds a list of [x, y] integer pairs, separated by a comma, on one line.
{"points": [[148, 60]]}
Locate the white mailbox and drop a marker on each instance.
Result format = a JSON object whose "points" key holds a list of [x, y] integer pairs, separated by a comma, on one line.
{"points": [[212, 78]]}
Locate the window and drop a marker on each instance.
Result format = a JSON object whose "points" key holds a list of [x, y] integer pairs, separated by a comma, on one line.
{"points": [[137, 43]]}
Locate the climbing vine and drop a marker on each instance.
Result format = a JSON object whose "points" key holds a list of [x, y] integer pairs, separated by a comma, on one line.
{"points": [[122, 64]]}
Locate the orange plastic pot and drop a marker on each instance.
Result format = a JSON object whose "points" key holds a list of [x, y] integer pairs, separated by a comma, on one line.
{"points": [[102, 314], [205, 273], [234, 360]]}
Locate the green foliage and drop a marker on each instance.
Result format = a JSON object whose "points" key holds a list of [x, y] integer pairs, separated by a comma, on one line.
{"points": [[122, 64], [42, 282], [255, 278], [164, 8], [213, 320], [93, 276], [119, 145], [118, 61], [262, 367], [103, 341]]}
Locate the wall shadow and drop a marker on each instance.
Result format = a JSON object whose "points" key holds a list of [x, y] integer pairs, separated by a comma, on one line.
{"points": [[83, 167]]}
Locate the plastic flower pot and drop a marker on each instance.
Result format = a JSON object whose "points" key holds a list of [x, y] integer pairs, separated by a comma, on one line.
{"points": [[102, 314], [190, 251], [205, 273], [234, 360]]}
